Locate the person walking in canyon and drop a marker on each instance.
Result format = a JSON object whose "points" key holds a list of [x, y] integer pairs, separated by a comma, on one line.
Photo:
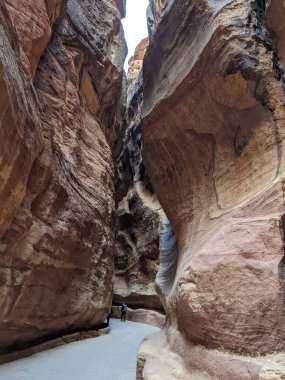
{"points": [[124, 309]]}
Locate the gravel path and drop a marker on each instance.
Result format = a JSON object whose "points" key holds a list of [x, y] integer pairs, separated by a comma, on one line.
{"points": [[109, 357]]}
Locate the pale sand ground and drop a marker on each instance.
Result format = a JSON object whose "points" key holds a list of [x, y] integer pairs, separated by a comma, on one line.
{"points": [[109, 357]]}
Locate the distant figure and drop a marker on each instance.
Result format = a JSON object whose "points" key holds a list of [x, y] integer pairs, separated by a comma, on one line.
{"points": [[124, 309], [109, 316]]}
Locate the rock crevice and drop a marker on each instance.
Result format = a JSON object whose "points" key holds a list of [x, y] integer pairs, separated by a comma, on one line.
{"points": [[138, 212]]}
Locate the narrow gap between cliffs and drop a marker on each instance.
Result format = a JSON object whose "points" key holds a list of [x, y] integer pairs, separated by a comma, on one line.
{"points": [[135, 26]]}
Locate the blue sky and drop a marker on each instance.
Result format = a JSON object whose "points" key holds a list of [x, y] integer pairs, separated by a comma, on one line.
{"points": [[135, 25]]}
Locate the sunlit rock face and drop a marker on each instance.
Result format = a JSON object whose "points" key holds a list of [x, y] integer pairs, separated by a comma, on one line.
{"points": [[213, 141], [135, 75], [137, 209], [145, 316], [61, 77]]}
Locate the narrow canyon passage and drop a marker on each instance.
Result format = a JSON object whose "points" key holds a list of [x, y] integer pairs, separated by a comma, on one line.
{"points": [[111, 356], [155, 181]]}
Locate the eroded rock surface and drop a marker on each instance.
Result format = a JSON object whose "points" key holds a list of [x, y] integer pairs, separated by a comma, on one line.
{"points": [[56, 169], [134, 72], [275, 13], [213, 138], [146, 316], [157, 8], [138, 211], [169, 355]]}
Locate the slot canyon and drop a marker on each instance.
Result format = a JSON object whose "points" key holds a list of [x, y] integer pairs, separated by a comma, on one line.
{"points": [[162, 188]]}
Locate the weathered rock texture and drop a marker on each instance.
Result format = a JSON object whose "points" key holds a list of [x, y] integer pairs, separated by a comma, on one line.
{"points": [[135, 79], [137, 211], [275, 13], [169, 355], [155, 12], [59, 109], [146, 316], [213, 137]]}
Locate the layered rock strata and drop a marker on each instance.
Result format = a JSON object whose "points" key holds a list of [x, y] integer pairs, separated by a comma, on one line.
{"points": [[137, 209], [213, 138], [61, 76]]}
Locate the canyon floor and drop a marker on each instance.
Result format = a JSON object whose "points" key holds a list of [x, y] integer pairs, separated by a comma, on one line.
{"points": [[111, 356]]}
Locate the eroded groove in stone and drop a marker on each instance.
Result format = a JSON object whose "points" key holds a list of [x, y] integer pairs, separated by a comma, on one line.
{"points": [[168, 259]]}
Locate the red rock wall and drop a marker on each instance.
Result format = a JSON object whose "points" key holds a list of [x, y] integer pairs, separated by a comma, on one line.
{"points": [[136, 249], [213, 136], [56, 169]]}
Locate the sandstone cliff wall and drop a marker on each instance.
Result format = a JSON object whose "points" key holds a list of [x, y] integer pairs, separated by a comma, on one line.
{"points": [[213, 138], [61, 77], [138, 212]]}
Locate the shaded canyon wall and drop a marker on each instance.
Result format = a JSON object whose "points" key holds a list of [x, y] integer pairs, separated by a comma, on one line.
{"points": [[61, 70], [138, 212]]}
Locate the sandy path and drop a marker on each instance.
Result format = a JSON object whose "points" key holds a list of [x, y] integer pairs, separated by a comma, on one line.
{"points": [[110, 357]]}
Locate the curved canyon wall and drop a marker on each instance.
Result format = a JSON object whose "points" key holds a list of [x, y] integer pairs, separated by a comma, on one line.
{"points": [[213, 146], [203, 139], [61, 70], [138, 213]]}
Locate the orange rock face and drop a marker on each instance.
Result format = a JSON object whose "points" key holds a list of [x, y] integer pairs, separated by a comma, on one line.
{"points": [[135, 63], [56, 169], [213, 137], [32, 25]]}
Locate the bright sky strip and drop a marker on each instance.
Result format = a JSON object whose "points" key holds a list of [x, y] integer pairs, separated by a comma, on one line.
{"points": [[135, 25]]}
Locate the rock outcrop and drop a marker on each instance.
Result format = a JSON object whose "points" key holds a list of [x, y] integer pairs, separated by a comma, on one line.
{"points": [[135, 79], [146, 316], [138, 212], [61, 70], [275, 13], [213, 146]]}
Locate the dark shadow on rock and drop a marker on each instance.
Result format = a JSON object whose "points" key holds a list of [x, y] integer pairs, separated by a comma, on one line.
{"points": [[281, 272]]}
